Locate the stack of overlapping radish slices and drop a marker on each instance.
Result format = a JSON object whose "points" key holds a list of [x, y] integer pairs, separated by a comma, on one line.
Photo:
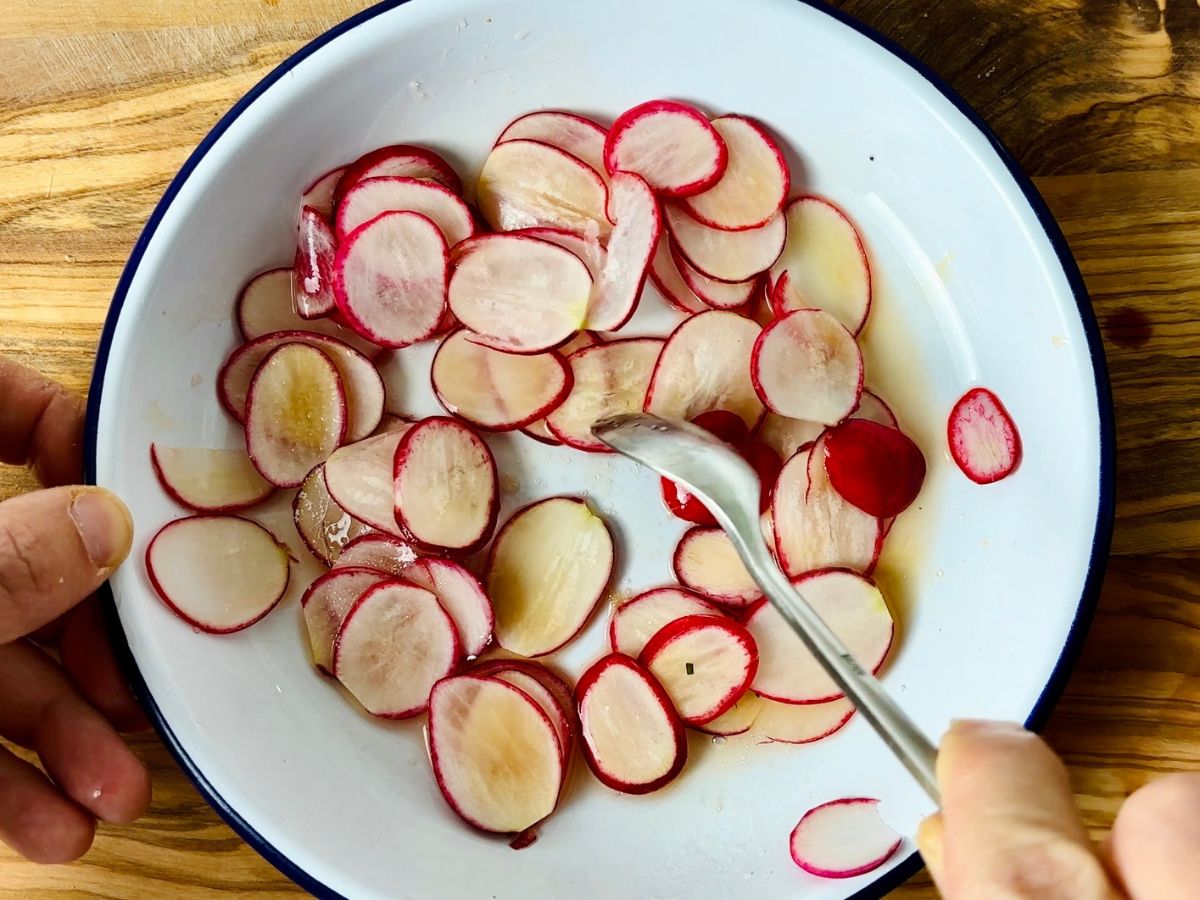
{"points": [[526, 295]]}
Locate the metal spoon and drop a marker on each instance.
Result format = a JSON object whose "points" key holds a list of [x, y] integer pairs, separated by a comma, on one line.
{"points": [[727, 485]]}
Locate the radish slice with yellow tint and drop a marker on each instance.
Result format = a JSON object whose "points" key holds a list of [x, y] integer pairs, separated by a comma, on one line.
{"points": [[983, 438], [373, 196], [843, 838], [664, 272], [785, 436], [705, 561], [539, 430], [209, 480], [383, 552], [326, 603], [324, 526], [569, 132], [462, 596], [716, 294], [319, 194], [551, 680], [265, 306], [738, 719], [671, 145], [704, 663], [250, 579], [637, 226], [725, 255], [316, 246], [359, 478], [635, 622], [755, 183], [403, 160], [543, 697], [791, 723]]}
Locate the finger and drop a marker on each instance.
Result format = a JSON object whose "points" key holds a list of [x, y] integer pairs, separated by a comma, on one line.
{"points": [[36, 820], [930, 841], [1155, 841], [56, 547], [40, 424], [87, 656]]}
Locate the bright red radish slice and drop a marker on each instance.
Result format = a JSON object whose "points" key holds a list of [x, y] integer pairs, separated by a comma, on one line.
{"points": [[403, 160], [632, 738], [373, 196], [326, 603], [664, 272], [633, 209], [729, 428], [785, 436], [547, 570], [324, 526], [494, 390], [791, 723], [543, 697], [635, 622], [983, 438], [587, 249], [519, 293], [538, 430], [265, 306], [854, 610], [705, 365], [825, 264], [706, 561], [609, 379], [704, 663], [875, 467], [209, 480], [446, 487], [319, 194], [389, 278], [843, 838], [495, 754], [872, 408], [394, 645], [315, 249], [725, 255], [670, 144], [806, 365], [250, 580], [756, 180], [527, 184], [571, 133], [462, 596], [295, 414], [738, 719], [767, 465], [716, 294], [359, 477], [383, 552]]}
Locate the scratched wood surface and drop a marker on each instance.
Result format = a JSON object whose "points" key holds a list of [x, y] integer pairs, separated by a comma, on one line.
{"points": [[102, 100]]}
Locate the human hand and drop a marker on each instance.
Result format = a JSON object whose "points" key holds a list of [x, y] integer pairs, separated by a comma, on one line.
{"points": [[1008, 828], [56, 547]]}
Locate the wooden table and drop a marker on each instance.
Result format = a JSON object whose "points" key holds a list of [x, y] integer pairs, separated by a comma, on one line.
{"points": [[102, 100]]}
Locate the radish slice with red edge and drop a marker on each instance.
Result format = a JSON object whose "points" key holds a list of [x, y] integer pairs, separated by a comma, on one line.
{"points": [[635, 622], [541, 695], [462, 596], [569, 132], [383, 552], [755, 183], [564, 695], [874, 467], [872, 408], [324, 526], [547, 570], [374, 196], [319, 194], [733, 256], [403, 160], [671, 145], [588, 249], [705, 561], [664, 272], [843, 838], [853, 608], [633, 209], [785, 436], [716, 294], [791, 723], [359, 478], [738, 719], [209, 480], [539, 430], [250, 580], [704, 663], [325, 605], [265, 306], [983, 438], [806, 365], [316, 246]]}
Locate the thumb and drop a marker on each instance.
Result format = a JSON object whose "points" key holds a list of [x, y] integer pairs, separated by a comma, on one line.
{"points": [[56, 547]]}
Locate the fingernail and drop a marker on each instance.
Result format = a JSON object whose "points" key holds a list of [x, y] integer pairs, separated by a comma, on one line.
{"points": [[984, 727], [104, 526]]}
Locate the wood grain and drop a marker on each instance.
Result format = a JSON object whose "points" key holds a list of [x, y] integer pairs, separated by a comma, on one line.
{"points": [[100, 102]]}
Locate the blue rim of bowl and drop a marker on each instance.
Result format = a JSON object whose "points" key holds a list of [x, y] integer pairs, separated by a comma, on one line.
{"points": [[1104, 513]]}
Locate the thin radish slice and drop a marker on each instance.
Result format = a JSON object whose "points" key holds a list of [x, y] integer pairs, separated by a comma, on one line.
{"points": [[547, 570], [633, 209], [390, 277], [631, 736], [874, 467], [403, 160], [766, 464], [544, 698], [843, 838], [519, 293], [729, 428], [704, 663], [755, 183], [391, 424], [705, 561], [825, 263], [790, 723], [394, 645], [373, 196], [785, 436], [316, 246], [250, 580], [325, 605], [738, 719], [319, 194], [609, 379], [705, 365], [539, 430], [571, 133], [725, 255], [983, 438], [587, 249], [872, 408], [527, 184], [462, 596], [806, 365], [635, 622], [209, 480], [717, 294], [359, 477], [494, 390], [551, 680], [670, 144], [265, 306], [445, 485], [854, 610], [295, 414], [495, 753], [324, 526], [666, 277], [382, 552]]}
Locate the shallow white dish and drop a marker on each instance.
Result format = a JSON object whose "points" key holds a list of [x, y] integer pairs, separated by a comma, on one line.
{"points": [[993, 587]]}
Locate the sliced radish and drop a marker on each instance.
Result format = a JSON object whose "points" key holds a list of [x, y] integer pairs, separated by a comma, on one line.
{"points": [[587, 249], [462, 596], [874, 467], [373, 196], [527, 184], [666, 277], [854, 610], [825, 264], [806, 365], [519, 293], [766, 464], [785, 436], [390, 276], [633, 209], [313, 281], [403, 160], [394, 645], [495, 753], [791, 723], [705, 365], [571, 133], [324, 526], [729, 428], [250, 579], [383, 552], [738, 719], [608, 379], [670, 144], [755, 183], [635, 622], [717, 294], [725, 255], [843, 838], [551, 680], [265, 306], [543, 697], [632, 738], [704, 663], [319, 194], [539, 430], [872, 408], [326, 603], [494, 390], [983, 438], [359, 477], [391, 423], [209, 480], [547, 570], [295, 414], [705, 561], [446, 487]]}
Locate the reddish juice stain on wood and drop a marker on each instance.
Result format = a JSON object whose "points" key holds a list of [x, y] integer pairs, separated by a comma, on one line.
{"points": [[1128, 327]]}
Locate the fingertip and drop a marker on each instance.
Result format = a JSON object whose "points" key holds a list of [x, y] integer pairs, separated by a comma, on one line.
{"points": [[54, 833], [104, 525]]}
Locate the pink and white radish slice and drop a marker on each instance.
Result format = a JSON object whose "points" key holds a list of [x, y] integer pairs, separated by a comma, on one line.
{"points": [[209, 480], [706, 561], [733, 256], [400, 160], [324, 526], [843, 838], [983, 438], [391, 423], [671, 145], [791, 723], [374, 196], [738, 719], [664, 272], [325, 605], [755, 183], [636, 230], [551, 680], [382, 552], [716, 294], [265, 306], [569, 132], [462, 596], [547, 570], [785, 436], [360, 477], [538, 430], [872, 408], [543, 697], [319, 194], [635, 622], [806, 365], [251, 579], [588, 249], [316, 245], [704, 663]]}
